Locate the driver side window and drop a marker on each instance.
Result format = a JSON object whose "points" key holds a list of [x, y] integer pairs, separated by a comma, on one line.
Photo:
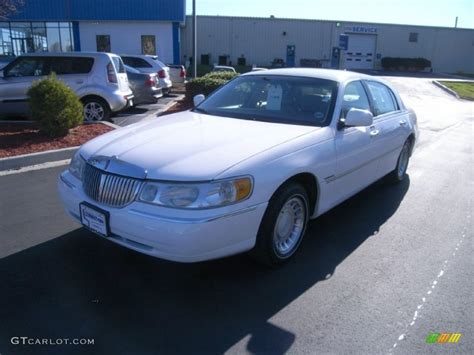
{"points": [[354, 97]]}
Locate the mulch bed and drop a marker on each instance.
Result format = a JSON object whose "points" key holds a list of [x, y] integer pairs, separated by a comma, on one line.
{"points": [[16, 139]]}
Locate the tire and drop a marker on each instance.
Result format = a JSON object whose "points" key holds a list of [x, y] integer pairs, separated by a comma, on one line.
{"points": [[400, 172], [283, 225], [96, 109]]}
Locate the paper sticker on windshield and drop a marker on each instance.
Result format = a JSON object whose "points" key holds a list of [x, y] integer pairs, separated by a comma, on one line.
{"points": [[275, 93]]}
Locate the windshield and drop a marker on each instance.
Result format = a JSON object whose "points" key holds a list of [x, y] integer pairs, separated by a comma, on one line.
{"points": [[272, 98]]}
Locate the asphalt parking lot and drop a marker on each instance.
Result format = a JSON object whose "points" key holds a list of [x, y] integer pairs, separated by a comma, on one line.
{"points": [[139, 113], [375, 275]]}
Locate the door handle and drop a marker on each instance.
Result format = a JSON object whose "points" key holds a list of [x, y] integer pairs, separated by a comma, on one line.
{"points": [[403, 123], [374, 132], [79, 81]]}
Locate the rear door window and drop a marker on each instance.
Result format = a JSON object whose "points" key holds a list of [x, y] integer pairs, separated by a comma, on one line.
{"points": [[382, 98], [27, 66], [71, 65], [136, 62]]}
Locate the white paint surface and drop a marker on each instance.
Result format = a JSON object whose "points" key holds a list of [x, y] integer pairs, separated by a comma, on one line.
{"points": [[125, 37]]}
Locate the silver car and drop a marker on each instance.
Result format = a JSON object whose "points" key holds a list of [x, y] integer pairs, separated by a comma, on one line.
{"points": [[150, 64], [177, 73], [145, 86], [99, 79]]}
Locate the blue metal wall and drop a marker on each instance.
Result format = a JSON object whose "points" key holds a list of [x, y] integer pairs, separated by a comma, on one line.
{"points": [[77, 10]]}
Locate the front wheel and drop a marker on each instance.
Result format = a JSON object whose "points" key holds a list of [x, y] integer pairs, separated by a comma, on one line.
{"points": [[283, 225], [400, 171]]}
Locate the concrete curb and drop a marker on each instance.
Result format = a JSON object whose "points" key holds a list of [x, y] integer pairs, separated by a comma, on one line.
{"points": [[165, 108], [445, 88], [20, 161]]}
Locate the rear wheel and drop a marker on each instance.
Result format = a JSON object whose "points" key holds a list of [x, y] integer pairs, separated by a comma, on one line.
{"points": [[283, 225], [400, 171], [95, 109]]}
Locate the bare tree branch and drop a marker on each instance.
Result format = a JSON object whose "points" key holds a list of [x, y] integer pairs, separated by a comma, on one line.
{"points": [[9, 7]]}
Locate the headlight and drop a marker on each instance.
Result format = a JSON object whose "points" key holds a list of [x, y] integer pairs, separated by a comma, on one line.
{"points": [[197, 196], [77, 165]]}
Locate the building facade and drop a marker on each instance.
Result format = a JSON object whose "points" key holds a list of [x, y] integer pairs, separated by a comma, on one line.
{"points": [[261, 41], [132, 27]]}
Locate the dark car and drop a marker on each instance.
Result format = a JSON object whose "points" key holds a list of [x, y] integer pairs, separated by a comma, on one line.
{"points": [[145, 86]]}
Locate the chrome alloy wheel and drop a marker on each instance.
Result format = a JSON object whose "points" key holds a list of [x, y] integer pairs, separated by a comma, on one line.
{"points": [[93, 111], [289, 226], [403, 160]]}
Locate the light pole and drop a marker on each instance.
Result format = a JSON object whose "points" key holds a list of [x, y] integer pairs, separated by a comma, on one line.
{"points": [[194, 41]]}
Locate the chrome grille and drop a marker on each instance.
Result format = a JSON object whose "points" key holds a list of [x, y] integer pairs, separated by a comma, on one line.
{"points": [[109, 189]]}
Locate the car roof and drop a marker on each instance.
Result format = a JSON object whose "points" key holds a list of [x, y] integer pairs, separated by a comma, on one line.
{"points": [[68, 54], [328, 74]]}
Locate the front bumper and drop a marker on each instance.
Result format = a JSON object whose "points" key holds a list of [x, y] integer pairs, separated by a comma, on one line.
{"points": [[176, 235]]}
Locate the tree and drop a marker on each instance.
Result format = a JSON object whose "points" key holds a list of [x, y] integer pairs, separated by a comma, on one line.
{"points": [[9, 7]]}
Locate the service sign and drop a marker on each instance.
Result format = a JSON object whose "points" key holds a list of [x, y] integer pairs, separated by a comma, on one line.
{"points": [[360, 29]]}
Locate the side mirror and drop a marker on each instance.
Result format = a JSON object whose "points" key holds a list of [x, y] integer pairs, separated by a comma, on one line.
{"points": [[198, 99], [358, 118]]}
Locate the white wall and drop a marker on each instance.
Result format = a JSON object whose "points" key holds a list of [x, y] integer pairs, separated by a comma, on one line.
{"points": [[125, 37], [261, 40]]}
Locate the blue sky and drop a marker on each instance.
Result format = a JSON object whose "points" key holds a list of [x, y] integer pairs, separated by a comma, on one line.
{"points": [[413, 12]]}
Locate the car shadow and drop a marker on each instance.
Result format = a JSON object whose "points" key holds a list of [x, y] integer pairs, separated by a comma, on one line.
{"points": [[80, 285]]}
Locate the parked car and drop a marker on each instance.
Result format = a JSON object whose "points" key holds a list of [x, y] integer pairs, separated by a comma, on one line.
{"points": [[4, 60], [219, 68], [177, 73], [150, 64], [99, 79], [145, 86], [246, 169]]}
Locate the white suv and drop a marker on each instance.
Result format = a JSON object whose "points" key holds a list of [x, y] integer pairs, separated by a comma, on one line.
{"points": [[150, 64], [99, 79]]}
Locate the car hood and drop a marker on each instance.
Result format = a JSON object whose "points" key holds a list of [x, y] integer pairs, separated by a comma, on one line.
{"points": [[189, 146]]}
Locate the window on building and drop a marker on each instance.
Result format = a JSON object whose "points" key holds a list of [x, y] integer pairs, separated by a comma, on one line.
{"points": [[413, 37], [6, 48], [382, 98], [17, 38], [66, 38], [40, 41], [222, 60], [205, 59], [103, 43], [52, 34], [149, 45]]}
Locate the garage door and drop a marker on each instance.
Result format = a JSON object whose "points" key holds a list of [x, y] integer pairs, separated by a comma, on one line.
{"points": [[361, 52]]}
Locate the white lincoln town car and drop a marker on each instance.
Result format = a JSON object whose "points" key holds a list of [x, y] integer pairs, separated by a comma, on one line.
{"points": [[246, 169]]}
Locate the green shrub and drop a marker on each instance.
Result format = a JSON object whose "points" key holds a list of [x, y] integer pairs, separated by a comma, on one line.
{"points": [[207, 83], [225, 75], [55, 106], [392, 63]]}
